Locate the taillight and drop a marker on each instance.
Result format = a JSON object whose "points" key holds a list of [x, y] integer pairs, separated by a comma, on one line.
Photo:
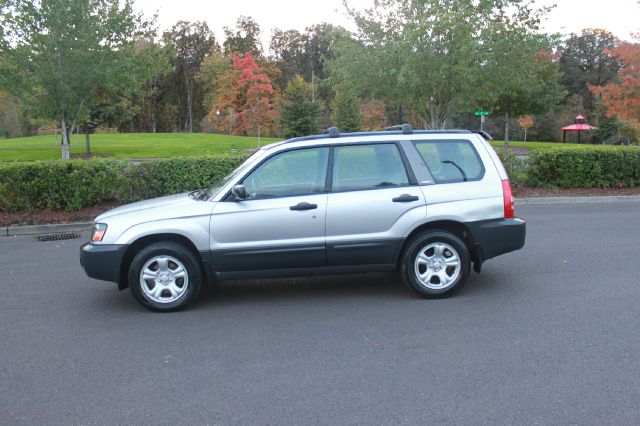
{"points": [[507, 196]]}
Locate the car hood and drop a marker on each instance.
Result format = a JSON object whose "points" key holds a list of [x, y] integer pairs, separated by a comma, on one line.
{"points": [[163, 207]]}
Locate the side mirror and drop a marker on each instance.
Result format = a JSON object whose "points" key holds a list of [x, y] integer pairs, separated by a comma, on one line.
{"points": [[240, 192]]}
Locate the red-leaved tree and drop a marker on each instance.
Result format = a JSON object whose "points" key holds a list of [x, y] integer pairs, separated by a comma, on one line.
{"points": [[374, 114], [622, 98], [247, 98]]}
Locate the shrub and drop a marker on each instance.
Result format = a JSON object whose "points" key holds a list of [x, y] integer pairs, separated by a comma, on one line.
{"points": [[584, 168], [516, 168], [71, 185]]}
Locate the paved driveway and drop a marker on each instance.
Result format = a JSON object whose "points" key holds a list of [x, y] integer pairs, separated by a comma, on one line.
{"points": [[550, 334]]}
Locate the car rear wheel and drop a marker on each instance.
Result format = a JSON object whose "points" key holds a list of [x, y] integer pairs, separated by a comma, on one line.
{"points": [[436, 264], [165, 276]]}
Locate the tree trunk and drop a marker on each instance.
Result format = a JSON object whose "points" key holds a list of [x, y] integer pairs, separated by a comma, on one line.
{"points": [[154, 123], [65, 140], [506, 129], [525, 135], [87, 141], [189, 123], [16, 118], [258, 135], [436, 119]]}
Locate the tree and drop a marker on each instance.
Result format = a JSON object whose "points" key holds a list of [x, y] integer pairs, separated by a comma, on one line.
{"points": [[374, 114], [12, 120], [305, 54], [585, 61], [244, 38], [426, 54], [289, 54], [190, 43], [346, 112], [622, 98], [258, 110], [521, 76], [55, 56], [526, 122], [116, 98], [247, 95], [212, 77], [299, 114]]}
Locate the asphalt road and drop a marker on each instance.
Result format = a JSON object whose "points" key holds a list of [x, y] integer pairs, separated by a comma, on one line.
{"points": [[549, 334]]}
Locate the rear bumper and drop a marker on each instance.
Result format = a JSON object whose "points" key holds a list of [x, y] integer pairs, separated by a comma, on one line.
{"points": [[497, 236], [102, 262]]}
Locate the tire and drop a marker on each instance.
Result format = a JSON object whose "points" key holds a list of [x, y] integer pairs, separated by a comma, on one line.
{"points": [[165, 277], [436, 264]]}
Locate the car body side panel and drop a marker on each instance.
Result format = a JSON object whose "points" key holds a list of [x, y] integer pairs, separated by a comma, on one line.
{"points": [[263, 234], [368, 226]]}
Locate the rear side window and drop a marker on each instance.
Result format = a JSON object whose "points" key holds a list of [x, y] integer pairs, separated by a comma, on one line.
{"points": [[368, 167], [451, 161]]}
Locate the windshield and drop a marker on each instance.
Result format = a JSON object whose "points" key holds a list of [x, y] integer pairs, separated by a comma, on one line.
{"points": [[221, 183]]}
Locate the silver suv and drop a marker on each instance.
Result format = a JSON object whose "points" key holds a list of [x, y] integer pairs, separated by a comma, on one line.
{"points": [[427, 203]]}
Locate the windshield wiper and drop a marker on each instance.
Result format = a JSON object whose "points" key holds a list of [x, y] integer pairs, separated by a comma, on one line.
{"points": [[199, 194], [453, 163]]}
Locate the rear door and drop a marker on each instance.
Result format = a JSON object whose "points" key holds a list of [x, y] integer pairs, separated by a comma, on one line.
{"points": [[281, 224], [373, 200]]}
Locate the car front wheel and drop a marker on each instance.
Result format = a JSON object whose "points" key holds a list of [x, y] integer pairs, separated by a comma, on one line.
{"points": [[436, 264], [165, 277]]}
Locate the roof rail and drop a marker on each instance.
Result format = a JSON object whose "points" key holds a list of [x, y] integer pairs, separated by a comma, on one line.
{"points": [[484, 134], [406, 128], [333, 132]]}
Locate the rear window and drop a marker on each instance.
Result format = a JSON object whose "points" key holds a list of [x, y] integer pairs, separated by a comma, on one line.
{"points": [[451, 161]]}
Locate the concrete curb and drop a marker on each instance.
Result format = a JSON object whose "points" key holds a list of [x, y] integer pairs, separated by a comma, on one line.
{"points": [[44, 229], [604, 199], [8, 231]]}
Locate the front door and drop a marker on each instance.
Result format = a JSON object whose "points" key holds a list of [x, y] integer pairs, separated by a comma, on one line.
{"points": [[282, 222]]}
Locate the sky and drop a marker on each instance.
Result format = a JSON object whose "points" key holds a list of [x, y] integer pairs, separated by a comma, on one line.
{"points": [[621, 17]]}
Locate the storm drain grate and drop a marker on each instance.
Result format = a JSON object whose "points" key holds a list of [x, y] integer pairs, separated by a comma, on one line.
{"points": [[58, 237]]}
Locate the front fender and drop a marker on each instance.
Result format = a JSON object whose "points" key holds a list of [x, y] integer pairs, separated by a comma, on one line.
{"points": [[194, 228]]}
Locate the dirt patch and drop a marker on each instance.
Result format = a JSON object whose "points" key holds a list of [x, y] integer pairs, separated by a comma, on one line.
{"points": [[43, 217], [524, 192], [86, 156], [87, 214], [517, 150]]}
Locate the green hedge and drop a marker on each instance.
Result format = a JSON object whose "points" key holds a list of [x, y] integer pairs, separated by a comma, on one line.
{"points": [[71, 185], [584, 168], [516, 167]]}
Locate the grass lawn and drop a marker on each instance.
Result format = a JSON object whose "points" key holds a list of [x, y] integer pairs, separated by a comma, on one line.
{"points": [[538, 146], [129, 145], [164, 145]]}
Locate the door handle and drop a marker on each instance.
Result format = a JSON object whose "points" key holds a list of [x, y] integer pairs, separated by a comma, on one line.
{"points": [[406, 198], [304, 206]]}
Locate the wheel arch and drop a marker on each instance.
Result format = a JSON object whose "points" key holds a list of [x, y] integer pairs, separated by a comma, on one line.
{"points": [[458, 229], [147, 240]]}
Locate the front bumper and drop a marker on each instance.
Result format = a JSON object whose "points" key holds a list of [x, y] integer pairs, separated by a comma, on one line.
{"points": [[497, 236], [103, 261]]}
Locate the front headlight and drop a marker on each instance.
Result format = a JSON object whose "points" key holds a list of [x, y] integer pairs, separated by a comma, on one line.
{"points": [[97, 231]]}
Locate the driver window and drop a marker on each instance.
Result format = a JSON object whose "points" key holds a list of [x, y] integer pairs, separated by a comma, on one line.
{"points": [[289, 173]]}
